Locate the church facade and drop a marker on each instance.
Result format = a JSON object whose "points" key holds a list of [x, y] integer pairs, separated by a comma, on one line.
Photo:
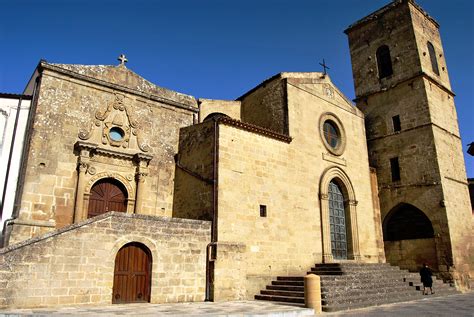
{"points": [[130, 192]]}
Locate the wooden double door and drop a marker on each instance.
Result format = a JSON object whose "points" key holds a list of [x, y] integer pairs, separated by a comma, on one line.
{"points": [[132, 274], [107, 195]]}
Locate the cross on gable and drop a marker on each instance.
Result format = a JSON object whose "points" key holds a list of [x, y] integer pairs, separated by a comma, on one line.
{"points": [[324, 67], [122, 59]]}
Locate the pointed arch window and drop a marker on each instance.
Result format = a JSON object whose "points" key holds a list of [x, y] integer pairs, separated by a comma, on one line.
{"points": [[434, 61], [384, 61]]}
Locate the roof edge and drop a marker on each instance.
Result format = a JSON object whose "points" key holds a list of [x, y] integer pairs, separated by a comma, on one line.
{"points": [[374, 15], [15, 96], [254, 128], [52, 67]]}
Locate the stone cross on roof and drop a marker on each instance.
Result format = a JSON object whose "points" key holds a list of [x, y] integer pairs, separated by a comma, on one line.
{"points": [[122, 59]]}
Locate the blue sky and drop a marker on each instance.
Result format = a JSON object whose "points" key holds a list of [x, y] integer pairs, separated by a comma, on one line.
{"points": [[214, 48]]}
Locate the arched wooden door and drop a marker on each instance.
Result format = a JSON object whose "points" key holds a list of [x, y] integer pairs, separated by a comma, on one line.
{"points": [[107, 195], [132, 274]]}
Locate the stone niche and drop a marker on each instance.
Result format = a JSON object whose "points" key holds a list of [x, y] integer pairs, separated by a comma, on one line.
{"points": [[112, 147]]}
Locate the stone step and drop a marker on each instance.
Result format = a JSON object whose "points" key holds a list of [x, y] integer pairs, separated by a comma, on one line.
{"points": [[285, 288], [348, 306], [326, 279], [361, 290], [354, 285], [355, 268], [370, 297], [290, 278], [283, 293], [288, 283], [280, 299], [361, 278]]}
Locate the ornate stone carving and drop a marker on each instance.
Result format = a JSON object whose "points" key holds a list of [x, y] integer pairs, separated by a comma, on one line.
{"points": [[91, 170], [82, 166], [353, 202], [117, 125], [85, 134], [116, 176]]}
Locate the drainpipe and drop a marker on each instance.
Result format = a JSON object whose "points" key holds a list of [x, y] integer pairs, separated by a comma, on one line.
{"points": [[211, 247]]}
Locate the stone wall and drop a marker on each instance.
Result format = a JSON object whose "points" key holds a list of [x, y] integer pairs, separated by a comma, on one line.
{"points": [[266, 106], [75, 265], [366, 38], [402, 252], [286, 179], [193, 193], [73, 109], [428, 148], [227, 107]]}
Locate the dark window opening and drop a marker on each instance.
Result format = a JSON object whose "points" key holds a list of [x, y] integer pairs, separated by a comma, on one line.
{"points": [[263, 211], [331, 134], [384, 61], [396, 123], [395, 168], [405, 222], [434, 61]]}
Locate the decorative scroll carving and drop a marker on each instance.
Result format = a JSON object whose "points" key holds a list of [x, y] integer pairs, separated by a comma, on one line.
{"points": [[119, 117], [91, 170]]}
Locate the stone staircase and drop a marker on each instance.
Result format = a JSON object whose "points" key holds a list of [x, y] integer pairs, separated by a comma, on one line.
{"points": [[354, 285]]}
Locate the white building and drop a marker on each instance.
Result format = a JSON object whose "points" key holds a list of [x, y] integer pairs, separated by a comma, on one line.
{"points": [[14, 111]]}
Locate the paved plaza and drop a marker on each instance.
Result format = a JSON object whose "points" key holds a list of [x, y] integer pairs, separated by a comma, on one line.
{"points": [[451, 306]]}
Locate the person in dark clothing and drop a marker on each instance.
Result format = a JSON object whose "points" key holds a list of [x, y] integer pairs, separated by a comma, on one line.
{"points": [[426, 279]]}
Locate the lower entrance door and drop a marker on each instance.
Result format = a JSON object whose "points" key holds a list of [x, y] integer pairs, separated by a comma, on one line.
{"points": [[132, 275]]}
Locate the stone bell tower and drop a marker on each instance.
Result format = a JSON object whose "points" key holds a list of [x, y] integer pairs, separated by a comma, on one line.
{"points": [[402, 86]]}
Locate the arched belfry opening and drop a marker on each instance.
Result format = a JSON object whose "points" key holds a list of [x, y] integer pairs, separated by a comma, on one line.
{"points": [[384, 61], [107, 194], [338, 217], [132, 274], [409, 238]]}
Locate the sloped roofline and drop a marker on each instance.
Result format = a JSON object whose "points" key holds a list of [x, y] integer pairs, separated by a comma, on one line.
{"points": [[374, 15], [14, 96], [43, 64]]}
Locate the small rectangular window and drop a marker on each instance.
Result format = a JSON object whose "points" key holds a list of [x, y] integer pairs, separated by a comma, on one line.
{"points": [[263, 210], [395, 168], [396, 123]]}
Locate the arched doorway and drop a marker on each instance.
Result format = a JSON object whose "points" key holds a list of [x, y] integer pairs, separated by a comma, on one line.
{"points": [[337, 222], [409, 238], [107, 195], [340, 235], [132, 274]]}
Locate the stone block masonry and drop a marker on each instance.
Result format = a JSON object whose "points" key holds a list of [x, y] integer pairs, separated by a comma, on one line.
{"points": [[75, 265]]}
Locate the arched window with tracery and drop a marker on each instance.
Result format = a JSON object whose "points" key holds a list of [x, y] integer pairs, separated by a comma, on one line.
{"points": [[384, 61]]}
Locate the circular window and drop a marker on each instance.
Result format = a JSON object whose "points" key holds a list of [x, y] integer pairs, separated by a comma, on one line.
{"points": [[116, 134], [332, 133]]}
